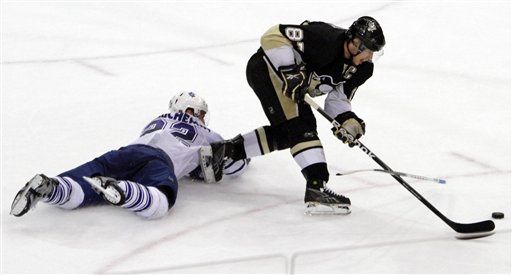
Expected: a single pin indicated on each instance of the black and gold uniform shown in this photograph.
(315, 51)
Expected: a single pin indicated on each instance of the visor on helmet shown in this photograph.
(362, 47)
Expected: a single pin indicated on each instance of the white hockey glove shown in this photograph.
(231, 168)
(236, 167)
(352, 128)
(294, 81)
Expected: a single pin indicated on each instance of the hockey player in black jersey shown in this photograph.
(315, 58)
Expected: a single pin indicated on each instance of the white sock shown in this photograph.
(147, 202)
(68, 194)
(251, 144)
(309, 157)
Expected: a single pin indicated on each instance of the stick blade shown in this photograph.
(469, 236)
(473, 230)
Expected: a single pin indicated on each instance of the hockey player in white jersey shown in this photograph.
(141, 177)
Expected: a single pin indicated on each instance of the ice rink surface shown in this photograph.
(82, 78)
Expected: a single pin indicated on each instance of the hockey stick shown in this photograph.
(466, 230)
(441, 181)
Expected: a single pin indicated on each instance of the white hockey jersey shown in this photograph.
(180, 136)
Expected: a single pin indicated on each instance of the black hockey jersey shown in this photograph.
(320, 46)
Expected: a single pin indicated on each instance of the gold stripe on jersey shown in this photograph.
(304, 146)
(290, 108)
(262, 139)
(273, 38)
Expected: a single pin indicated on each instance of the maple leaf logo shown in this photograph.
(372, 27)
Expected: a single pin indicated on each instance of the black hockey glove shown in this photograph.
(352, 128)
(294, 81)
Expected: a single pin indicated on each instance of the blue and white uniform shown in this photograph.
(180, 136)
(148, 169)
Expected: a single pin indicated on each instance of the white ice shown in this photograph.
(81, 78)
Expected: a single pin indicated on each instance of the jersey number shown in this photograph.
(296, 35)
(154, 126)
(184, 132)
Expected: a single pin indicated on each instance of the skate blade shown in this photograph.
(206, 158)
(110, 196)
(21, 203)
(94, 183)
(316, 209)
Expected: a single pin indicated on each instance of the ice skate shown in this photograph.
(324, 201)
(108, 189)
(39, 187)
(212, 161)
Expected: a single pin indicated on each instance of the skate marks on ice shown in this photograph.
(264, 264)
(324, 260)
(191, 49)
(485, 169)
(94, 67)
(349, 258)
(198, 50)
(490, 170)
(146, 248)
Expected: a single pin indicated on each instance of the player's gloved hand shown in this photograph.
(294, 81)
(352, 128)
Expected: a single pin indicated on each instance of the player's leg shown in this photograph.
(145, 201)
(67, 190)
(308, 153)
(148, 186)
(292, 126)
(278, 108)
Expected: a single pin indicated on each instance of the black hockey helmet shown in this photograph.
(369, 31)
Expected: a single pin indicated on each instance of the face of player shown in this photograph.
(201, 115)
(358, 51)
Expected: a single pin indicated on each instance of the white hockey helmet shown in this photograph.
(189, 100)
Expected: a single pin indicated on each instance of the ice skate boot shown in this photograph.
(39, 187)
(323, 201)
(108, 189)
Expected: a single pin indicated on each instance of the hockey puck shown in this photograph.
(498, 215)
